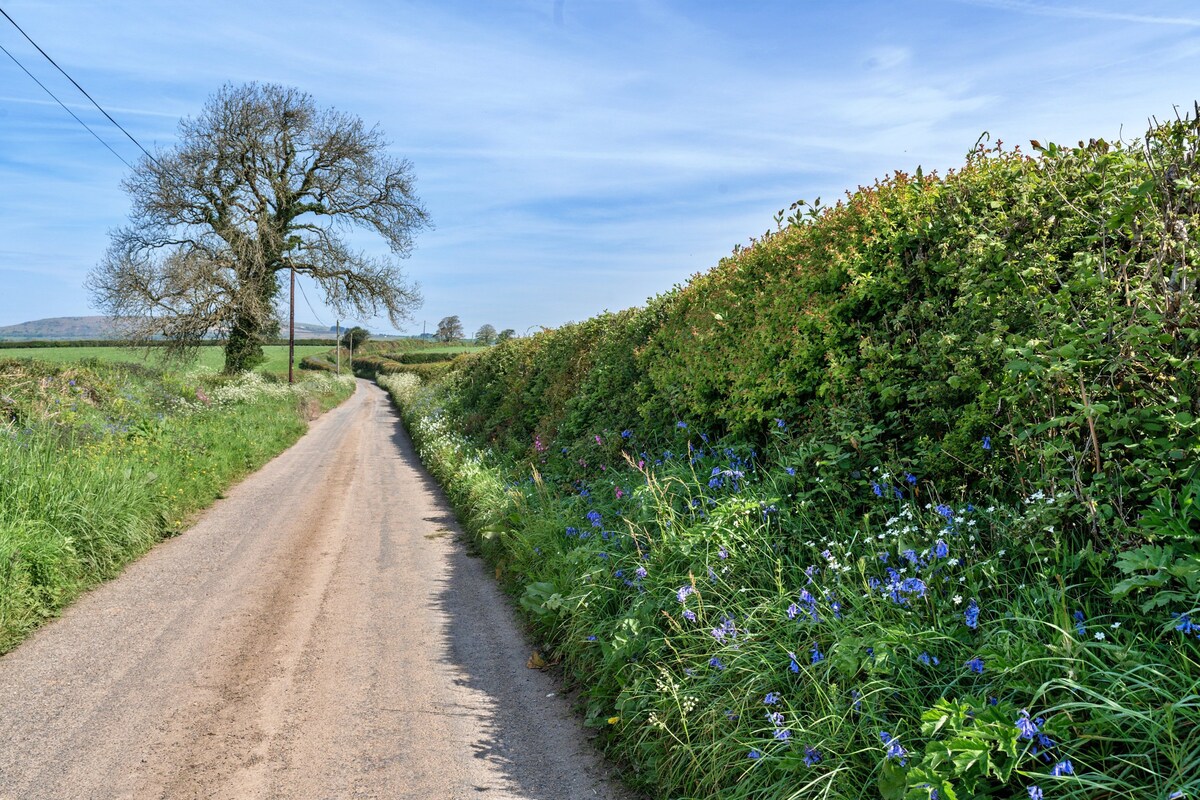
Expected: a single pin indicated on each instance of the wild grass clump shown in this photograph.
(100, 461)
(900, 501)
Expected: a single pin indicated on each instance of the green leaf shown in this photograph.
(893, 780)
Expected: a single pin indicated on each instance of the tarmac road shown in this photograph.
(319, 633)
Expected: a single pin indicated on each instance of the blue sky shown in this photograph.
(578, 155)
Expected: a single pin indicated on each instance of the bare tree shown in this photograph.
(450, 329)
(261, 182)
(486, 334)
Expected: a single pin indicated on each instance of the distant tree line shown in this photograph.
(450, 329)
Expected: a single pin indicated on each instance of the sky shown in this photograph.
(575, 156)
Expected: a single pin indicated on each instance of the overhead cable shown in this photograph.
(69, 111)
(77, 86)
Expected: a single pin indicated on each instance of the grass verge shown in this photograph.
(99, 461)
(737, 635)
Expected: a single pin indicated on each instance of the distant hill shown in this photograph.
(96, 328)
(62, 328)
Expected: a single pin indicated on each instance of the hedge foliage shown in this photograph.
(1022, 321)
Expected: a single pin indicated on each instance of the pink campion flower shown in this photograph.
(620, 493)
(641, 464)
(598, 439)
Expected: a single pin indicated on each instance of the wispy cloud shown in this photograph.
(1084, 12)
(574, 155)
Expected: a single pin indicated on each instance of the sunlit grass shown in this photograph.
(734, 635)
(100, 461)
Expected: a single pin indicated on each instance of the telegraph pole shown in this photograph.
(338, 325)
(292, 327)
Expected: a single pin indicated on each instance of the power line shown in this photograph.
(77, 86)
(60, 102)
(310, 308)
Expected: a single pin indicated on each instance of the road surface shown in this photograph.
(320, 633)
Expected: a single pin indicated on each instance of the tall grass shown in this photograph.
(98, 463)
(736, 635)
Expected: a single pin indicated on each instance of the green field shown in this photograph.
(211, 357)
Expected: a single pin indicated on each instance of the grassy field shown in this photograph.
(209, 357)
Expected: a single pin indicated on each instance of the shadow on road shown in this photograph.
(524, 730)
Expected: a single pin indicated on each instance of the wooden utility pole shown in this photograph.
(338, 325)
(292, 327)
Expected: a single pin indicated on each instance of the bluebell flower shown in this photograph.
(780, 424)
(1080, 628)
(1064, 767)
(1026, 727)
(625, 434)
(684, 591)
(910, 479)
(794, 666)
(987, 443)
(877, 489)
(722, 553)
(591, 638)
(972, 615)
(817, 655)
(1185, 624)
(1035, 792)
(783, 734)
(1044, 743)
(771, 699)
(716, 662)
(894, 749)
(594, 516)
(640, 573)
(945, 511)
(754, 754)
(975, 665)
(775, 718)
(689, 615)
(812, 756)
(792, 611)
(790, 470)
(910, 556)
(941, 549)
(883, 557)
(681, 425)
(928, 660)
(856, 699)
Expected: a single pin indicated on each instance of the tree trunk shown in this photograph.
(243, 348)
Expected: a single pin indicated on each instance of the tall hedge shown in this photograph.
(1022, 321)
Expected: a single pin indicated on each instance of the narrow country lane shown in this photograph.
(320, 633)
